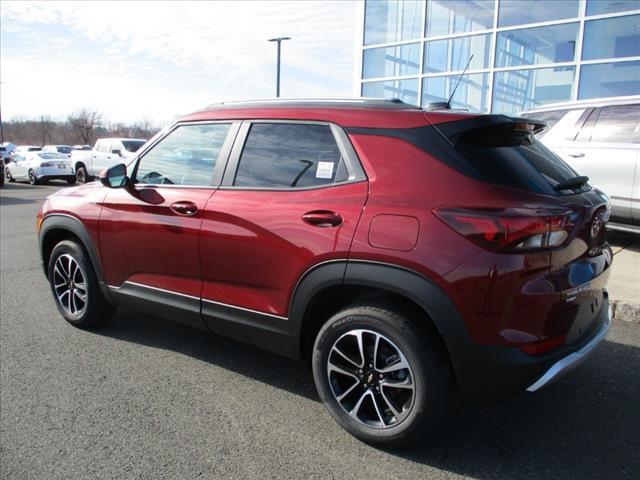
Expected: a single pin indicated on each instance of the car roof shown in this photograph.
(601, 102)
(347, 112)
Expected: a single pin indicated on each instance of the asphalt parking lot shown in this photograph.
(144, 398)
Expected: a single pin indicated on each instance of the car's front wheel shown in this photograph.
(75, 286)
(9, 176)
(381, 378)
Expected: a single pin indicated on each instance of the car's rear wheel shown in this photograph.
(33, 178)
(381, 378)
(75, 286)
(81, 175)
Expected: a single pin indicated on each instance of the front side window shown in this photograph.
(187, 156)
(284, 155)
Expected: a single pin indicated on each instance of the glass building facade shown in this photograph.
(526, 53)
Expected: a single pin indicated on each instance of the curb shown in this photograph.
(626, 311)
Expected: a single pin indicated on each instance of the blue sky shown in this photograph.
(157, 60)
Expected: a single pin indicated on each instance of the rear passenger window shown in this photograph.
(285, 155)
(187, 156)
(618, 124)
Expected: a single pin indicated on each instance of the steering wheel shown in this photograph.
(158, 177)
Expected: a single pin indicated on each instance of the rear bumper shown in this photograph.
(493, 372)
(574, 359)
(68, 176)
(54, 173)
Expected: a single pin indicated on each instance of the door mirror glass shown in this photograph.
(115, 177)
(116, 151)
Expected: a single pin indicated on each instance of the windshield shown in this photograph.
(52, 155)
(64, 149)
(133, 145)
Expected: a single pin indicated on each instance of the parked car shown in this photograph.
(2, 173)
(106, 153)
(37, 167)
(66, 149)
(601, 140)
(478, 266)
(5, 155)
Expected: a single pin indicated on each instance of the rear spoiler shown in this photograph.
(452, 131)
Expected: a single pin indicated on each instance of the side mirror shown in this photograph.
(115, 177)
(116, 151)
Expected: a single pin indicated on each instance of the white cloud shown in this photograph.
(158, 59)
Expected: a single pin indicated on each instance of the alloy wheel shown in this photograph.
(70, 285)
(371, 379)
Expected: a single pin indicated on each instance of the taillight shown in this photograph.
(511, 229)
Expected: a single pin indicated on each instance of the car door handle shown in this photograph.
(576, 155)
(184, 208)
(323, 219)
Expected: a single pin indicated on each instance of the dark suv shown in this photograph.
(407, 255)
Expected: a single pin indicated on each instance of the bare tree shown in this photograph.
(84, 122)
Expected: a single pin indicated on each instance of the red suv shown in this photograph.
(407, 255)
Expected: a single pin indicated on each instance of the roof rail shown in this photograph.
(357, 102)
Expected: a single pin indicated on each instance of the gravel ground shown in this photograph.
(144, 398)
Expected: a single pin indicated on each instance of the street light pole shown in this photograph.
(279, 40)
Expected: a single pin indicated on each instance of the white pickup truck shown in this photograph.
(106, 153)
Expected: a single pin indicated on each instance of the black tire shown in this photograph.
(33, 179)
(96, 309)
(10, 179)
(428, 371)
(81, 174)
(71, 181)
(2, 180)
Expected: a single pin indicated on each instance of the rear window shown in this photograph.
(501, 150)
(505, 155)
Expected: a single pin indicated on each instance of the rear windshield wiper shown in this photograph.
(570, 183)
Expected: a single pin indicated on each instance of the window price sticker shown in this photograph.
(324, 170)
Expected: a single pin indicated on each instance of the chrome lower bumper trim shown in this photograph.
(574, 359)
